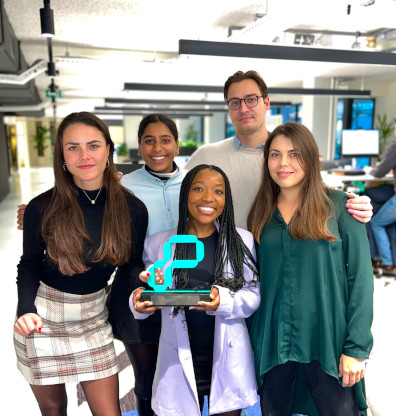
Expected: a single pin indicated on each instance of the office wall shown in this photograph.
(386, 100)
(117, 134)
(318, 115)
(131, 126)
(215, 128)
(4, 168)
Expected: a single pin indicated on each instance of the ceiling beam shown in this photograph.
(320, 91)
(136, 112)
(169, 102)
(293, 53)
(121, 121)
(159, 109)
(211, 88)
(178, 102)
(132, 86)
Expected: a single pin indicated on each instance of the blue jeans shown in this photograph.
(385, 216)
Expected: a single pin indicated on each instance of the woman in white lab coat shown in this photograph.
(205, 353)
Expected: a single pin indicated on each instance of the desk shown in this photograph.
(342, 182)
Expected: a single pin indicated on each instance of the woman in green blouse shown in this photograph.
(311, 334)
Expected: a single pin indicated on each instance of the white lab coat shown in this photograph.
(233, 384)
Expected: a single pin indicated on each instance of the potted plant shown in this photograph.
(122, 153)
(40, 138)
(385, 128)
(188, 145)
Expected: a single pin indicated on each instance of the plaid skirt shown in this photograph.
(75, 343)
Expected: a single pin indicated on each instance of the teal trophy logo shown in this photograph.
(161, 295)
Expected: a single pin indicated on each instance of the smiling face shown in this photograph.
(284, 165)
(85, 153)
(248, 121)
(158, 147)
(206, 199)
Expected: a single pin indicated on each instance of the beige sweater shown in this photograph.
(243, 168)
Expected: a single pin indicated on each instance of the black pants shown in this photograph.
(203, 378)
(278, 391)
(144, 359)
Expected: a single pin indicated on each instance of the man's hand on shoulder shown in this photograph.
(360, 207)
(20, 214)
(118, 176)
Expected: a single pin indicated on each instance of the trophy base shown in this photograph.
(175, 297)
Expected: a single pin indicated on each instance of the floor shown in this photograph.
(28, 183)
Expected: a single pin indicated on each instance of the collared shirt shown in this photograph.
(238, 143)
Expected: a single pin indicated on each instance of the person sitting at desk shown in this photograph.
(387, 214)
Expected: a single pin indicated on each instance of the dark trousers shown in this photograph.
(278, 391)
(203, 378)
(144, 359)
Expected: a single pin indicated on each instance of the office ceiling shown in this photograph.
(99, 45)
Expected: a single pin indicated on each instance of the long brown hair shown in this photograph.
(310, 219)
(63, 227)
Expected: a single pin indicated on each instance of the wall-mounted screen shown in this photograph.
(359, 143)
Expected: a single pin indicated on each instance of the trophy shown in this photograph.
(161, 295)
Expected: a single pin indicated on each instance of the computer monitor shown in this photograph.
(335, 163)
(360, 143)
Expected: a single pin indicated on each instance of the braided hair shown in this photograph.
(230, 246)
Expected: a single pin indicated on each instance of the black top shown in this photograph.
(35, 266)
(200, 324)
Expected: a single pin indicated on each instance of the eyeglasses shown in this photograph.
(250, 102)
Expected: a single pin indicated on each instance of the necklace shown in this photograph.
(92, 200)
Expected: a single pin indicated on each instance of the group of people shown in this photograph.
(290, 322)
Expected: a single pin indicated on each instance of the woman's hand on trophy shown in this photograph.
(209, 306)
(159, 276)
(143, 307)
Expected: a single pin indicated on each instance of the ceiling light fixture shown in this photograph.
(272, 91)
(47, 20)
(146, 112)
(133, 86)
(368, 3)
(206, 108)
(163, 109)
(245, 50)
(356, 44)
(51, 71)
(167, 101)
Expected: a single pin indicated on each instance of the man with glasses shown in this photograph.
(241, 157)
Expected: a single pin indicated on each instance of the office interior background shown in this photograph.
(330, 65)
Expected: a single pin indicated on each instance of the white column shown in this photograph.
(215, 128)
(131, 125)
(318, 114)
